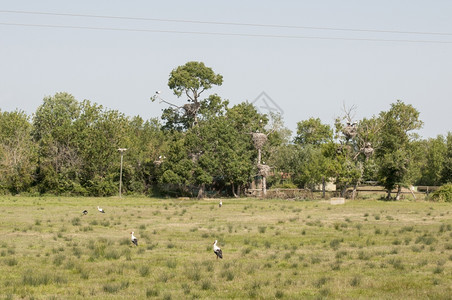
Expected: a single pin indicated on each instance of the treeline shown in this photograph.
(206, 146)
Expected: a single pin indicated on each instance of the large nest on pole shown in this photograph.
(264, 170)
(259, 139)
(368, 150)
(191, 109)
(350, 131)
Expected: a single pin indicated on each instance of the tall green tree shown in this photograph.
(317, 162)
(394, 154)
(18, 153)
(446, 173)
(53, 130)
(221, 149)
(191, 81)
(313, 132)
(430, 160)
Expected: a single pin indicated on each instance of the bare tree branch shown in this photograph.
(169, 103)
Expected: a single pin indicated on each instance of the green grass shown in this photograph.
(273, 249)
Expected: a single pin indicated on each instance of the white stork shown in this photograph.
(220, 204)
(134, 239)
(217, 250)
(100, 210)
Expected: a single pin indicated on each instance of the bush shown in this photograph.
(443, 194)
(285, 185)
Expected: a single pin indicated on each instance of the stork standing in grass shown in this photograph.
(220, 204)
(217, 250)
(134, 239)
(100, 210)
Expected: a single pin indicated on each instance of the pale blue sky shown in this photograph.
(306, 77)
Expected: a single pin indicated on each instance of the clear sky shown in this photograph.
(307, 73)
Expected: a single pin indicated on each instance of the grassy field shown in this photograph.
(273, 249)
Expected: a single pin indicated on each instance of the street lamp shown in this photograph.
(121, 150)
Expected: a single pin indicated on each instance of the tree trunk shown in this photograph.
(399, 191)
(388, 196)
(201, 191)
(239, 187)
(264, 186)
(233, 190)
(354, 191)
(343, 190)
(323, 187)
(412, 192)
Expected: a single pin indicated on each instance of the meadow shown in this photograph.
(273, 249)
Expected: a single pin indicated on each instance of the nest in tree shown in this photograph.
(343, 149)
(264, 170)
(259, 139)
(159, 161)
(368, 150)
(350, 131)
(191, 109)
(195, 156)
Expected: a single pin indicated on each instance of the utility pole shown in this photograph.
(121, 150)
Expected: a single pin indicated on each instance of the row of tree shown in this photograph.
(206, 146)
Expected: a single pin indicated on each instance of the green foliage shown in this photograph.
(285, 185)
(313, 132)
(309, 161)
(192, 79)
(446, 174)
(312, 169)
(443, 194)
(394, 153)
(70, 147)
(434, 155)
(78, 145)
(18, 153)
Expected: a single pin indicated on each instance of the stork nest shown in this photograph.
(264, 170)
(259, 139)
(191, 109)
(195, 156)
(368, 150)
(350, 131)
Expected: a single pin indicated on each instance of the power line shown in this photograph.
(228, 23)
(226, 34)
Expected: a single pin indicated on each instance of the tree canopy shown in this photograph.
(207, 146)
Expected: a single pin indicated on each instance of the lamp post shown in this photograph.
(121, 150)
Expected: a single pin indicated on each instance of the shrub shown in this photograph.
(152, 292)
(144, 271)
(34, 279)
(443, 194)
(75, 221)
(11, 262)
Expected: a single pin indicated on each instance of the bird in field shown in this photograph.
(100, 210)
(85, 212)
(217, 250)
(220, 204)
(134, 239)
